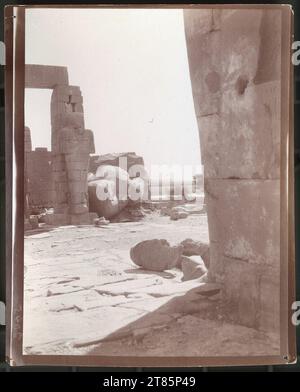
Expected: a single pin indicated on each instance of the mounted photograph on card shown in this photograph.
(150, 185)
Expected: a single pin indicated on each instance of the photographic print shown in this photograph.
(154, 166)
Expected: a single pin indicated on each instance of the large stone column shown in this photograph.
(234, 60)
(71, 146)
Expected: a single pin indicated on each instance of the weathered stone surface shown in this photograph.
(72, 160)
(108, 193)
(187, 209)
(269, 315)
(241, 43)
(85, 218)
(101, 221)
(34, 222)
(79, 209)
(206, 289)
(247, 220)
(155, 255)
(138, 190)
(114, 160)
(236, 89)
(234, 112)
(39, 187)
(176, 214)
(77, 99)
(254, 292)
(192, 267)
(45, 76)
(66, 109)
(111, 205)
(58, 107)
(196, 248)
(207, 89)
(57, 219)
(62, 219)
(130, 214)
(27, 140)
(111, 190)
(165, 211)
(250, 130)
(240, 255)
(271, 36)
(71, 146)
(27, 225)
(198, 21)
(42, 217)
(63, 93)
(72, 120)
(205, 73)
(110, 172)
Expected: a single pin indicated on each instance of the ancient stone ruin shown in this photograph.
(71, 146)
(235, 74)
(39, 190)
(113, 160)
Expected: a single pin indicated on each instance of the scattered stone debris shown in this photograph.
(130, 214)
(27, 225)
(196, 248)
(192, 257)
(204, 278)
(207, 290)
(192, 267)
(165, 211)
(34, 222)
(113, 159)
(42, 217)
(31, 223)
(156, 255)
(195, 209)
(101, 221)
(178, 213)
(181, 211)
(137, 212)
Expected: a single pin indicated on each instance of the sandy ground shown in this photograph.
(83, 295)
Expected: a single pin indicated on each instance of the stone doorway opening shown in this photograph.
(39, 193)
(39, 125)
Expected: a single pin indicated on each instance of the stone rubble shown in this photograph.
(98, 222)
(156, 255)
(181, 211)
(196, 248)
(192, 267)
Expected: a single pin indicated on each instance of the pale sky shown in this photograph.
(132, 68)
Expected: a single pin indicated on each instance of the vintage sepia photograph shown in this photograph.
(152, 182)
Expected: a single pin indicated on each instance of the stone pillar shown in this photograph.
(75, 146)
(234, 60)
(71, 146)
